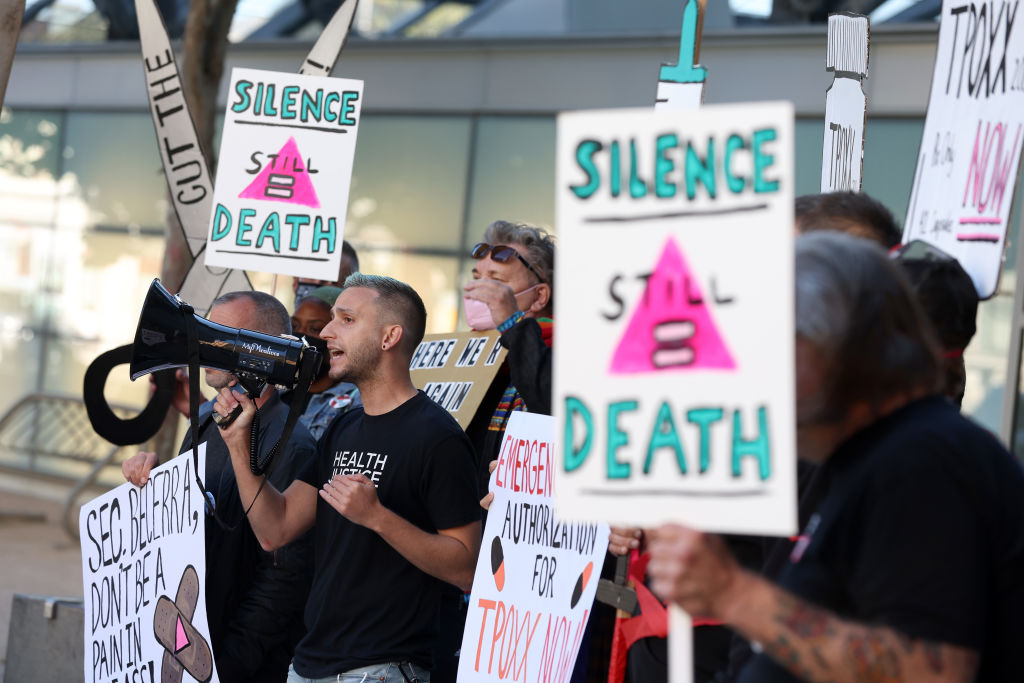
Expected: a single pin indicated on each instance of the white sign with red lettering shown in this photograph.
(536, 575)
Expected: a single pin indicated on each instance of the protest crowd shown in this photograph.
(838, 520)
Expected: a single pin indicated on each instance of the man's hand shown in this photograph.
(236, 434)
(498, 296)
(694, 570)
(355, 497)
(622, 539)
(486, 501)
(136, 468)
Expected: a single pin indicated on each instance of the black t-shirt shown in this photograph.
(368, 604)
(921, 530)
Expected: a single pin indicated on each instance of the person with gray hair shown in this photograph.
(910, 569)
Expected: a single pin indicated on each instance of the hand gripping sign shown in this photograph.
(673, 372)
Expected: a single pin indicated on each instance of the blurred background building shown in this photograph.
(458, 129)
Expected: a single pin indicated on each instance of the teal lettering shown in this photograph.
(320, 235)
(757, 448)
(242, 90)
(348, 107)
(663, 165)
(700, 170)
(736, 184)
(704, 418)
(258, 101)
(288, 94)
(272, 229)
(268, 101)
(221, 223)
(615, 177)
(763, 161)
(296, 221)
(243, 227)
(585, 152)
(328, 114)
(664, 435)
(616, 439)
(637, 187)
(311, 106)
(574, 457)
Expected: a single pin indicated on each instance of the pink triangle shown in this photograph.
(672, 309)
(180, 639)
(284, 179)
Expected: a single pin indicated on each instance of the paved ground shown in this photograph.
(38, 556)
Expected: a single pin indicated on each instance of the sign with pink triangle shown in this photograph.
(284, 174)
(674, 382)
(671, 327)
(284, 179)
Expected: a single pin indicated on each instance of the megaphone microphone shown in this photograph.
(171, 335)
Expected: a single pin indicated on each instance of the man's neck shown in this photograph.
(382, 395)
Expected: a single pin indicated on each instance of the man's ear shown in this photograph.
(542, 299)
(393, 335)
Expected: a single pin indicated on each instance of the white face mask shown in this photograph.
(478, 314)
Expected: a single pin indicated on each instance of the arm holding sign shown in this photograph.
(276, 518)
(697, 572)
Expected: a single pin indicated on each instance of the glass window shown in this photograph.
(409, 182)
(513, 173)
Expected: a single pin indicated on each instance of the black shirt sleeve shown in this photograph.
(448, 487)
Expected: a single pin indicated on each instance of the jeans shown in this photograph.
(391, 672)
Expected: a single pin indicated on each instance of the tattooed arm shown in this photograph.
(698, 573)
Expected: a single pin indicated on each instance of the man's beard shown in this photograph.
(360, 365)
(218, 379)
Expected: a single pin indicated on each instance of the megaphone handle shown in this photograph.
(224, 420)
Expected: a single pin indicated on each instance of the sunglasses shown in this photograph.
(501, 253)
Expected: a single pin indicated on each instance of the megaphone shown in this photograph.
(256, 359)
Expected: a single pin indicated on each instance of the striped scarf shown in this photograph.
(511, 401)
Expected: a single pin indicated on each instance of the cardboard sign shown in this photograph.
(674, 370)
(144, 573)
(284, 172)
(536, 575)
(846, 106)
(457, 369)
(681, 85)
(969, 161)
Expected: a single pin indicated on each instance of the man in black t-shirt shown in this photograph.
(910, 569)
(391, 497)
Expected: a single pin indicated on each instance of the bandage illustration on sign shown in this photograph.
(672, 327)
(185, 649)
(284, 178)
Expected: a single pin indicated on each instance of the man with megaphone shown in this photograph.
(391, 498)
(253, 598)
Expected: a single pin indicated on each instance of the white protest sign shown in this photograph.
(846, 106)
(969, 160)
(681, 85)
(284, 172)
(144, 573)
(673, 371)
(536, 575)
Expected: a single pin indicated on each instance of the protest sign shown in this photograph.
(457, 369)
(846, 106)
(11, 13)
(673, 370)
(969, 160)
(144, 573)
(536, 575)
(284, 171)
(681, 85)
